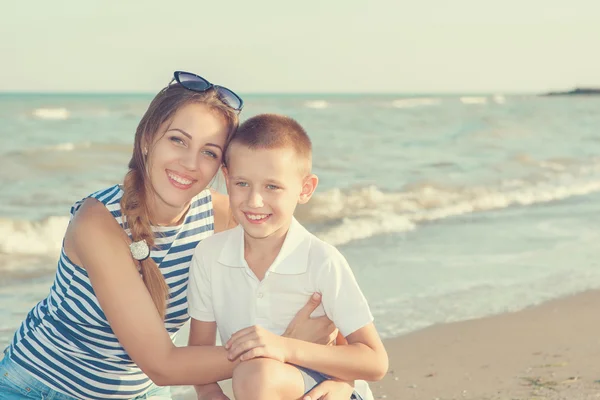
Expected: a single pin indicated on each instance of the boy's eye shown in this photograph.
(242, 184)
(272, 187)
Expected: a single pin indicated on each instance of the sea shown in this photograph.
(447, 206)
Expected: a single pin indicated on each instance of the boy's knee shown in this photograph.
(256, 376)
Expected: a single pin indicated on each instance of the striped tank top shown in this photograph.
(66, 341)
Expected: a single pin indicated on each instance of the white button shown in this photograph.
(260, 295)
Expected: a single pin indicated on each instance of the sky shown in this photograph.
(318, 46)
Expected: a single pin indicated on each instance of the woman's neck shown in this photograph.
(164, 215)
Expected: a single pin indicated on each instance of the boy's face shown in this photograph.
(265, 186)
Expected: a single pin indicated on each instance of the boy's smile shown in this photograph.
(257, 218)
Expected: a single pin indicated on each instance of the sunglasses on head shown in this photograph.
(197, 83)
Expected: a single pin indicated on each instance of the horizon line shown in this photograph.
(291, 93)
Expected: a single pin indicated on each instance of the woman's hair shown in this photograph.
(136, 186)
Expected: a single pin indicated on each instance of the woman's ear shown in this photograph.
(308, 188)
(145, 145)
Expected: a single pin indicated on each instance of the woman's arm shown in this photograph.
(364, 357)
(204, 334)
(95, 241)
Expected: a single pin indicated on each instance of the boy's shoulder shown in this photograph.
(321, 250)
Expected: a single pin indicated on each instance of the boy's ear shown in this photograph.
(308, 188)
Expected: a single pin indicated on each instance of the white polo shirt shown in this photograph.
(223, 288)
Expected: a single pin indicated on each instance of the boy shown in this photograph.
(251, 280)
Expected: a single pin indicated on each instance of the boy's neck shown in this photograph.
(260, 253)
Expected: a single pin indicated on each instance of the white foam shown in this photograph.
(366, 212)
(68, 146)
(415, 102)
(51, 113)
(65, 147)
(473, 100)
(32, 237)
(318, 104)
(499, 99)
(361, 228)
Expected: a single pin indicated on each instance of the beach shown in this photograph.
(549, 351)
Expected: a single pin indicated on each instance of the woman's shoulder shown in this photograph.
(110, 197)
(97, 212)
(92, 222)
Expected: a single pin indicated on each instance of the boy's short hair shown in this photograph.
(274, 131)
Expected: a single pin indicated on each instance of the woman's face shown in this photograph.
(183, 158)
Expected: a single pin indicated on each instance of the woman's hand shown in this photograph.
(331, 390)
(318, 330)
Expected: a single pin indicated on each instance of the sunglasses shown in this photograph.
(197, 83)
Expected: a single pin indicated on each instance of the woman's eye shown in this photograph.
(177, 140)
(210, 154)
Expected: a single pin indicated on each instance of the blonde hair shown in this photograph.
(134, 204)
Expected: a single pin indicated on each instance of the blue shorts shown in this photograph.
(18, 384)
(313, 378)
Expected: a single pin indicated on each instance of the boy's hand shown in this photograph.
(255, 341)
(331, 390)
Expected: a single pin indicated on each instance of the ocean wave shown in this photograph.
(51, 113)
(68, 146)
(318, 104)
(72, 146)
(415, 102)
(473, 100)
(343, 216)
(499, 99)
(41, 237)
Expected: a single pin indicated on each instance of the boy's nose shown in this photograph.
(255, 200)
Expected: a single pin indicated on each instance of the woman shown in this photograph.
(106, 328)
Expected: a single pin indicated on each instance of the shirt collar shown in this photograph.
(292, 258)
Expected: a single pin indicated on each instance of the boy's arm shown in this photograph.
(204, 334)
(364, 357)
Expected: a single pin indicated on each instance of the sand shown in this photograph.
(551, 351)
